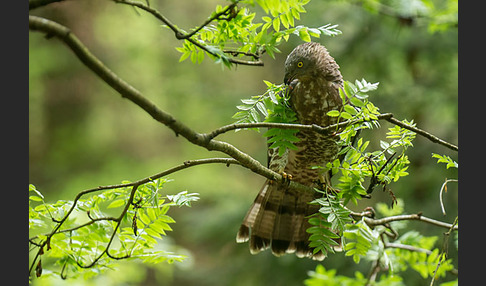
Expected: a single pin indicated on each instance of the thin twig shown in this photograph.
(181, 35)
(312, 127)
(444, 251)
(424, 133)
(119, 221)
(129, 92)
(383, 221)
(444, 188)
(184, 165)
(407, 247)
(216, 16)
(331, 128)
(375, 269)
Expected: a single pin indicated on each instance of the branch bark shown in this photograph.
(424, 133)
(383, 221)
(127, 91)
(134, 185)
(325, 130)
(181, 35)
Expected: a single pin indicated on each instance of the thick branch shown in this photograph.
(129, 92)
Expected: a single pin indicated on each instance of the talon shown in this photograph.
(286, 178)
(371, 211)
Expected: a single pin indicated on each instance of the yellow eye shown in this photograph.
(300, 64)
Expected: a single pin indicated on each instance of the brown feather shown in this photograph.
(278, 218)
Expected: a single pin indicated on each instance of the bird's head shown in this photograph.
(305, 62)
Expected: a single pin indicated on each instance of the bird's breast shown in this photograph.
(311, 100)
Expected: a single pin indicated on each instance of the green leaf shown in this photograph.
(276, 24)
(35, 198)
(357, 102)
(116, 203)
(349, 109)
(445, 159)
(267, 19)
(284, 20)
(184, 198)
(144, 218)
(261, 107)
(244, 107)
(304, 35)
(360, 238)
(333, 113)
(384, 144)
(152, 233)
(329, 30)
(346, 115)
(194, 57)
(166, 219)
(184, 56)
(33, 189)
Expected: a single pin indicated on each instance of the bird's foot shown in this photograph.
(286, 178)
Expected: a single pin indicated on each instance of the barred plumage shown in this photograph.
(277, 218)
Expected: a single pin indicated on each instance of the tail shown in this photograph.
(278, 218)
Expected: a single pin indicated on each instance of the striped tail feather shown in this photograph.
(277, 219)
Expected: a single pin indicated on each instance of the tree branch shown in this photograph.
(383, 221)
(325, 130)
(119, 221)
(407, 247)
(134, 185)
(425, 134)
(127, 91)
(216, 16)
(181, 35)
(444, 188)
(313, 127)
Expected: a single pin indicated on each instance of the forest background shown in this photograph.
(81, 136)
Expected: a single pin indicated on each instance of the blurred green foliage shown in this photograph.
(82, 134)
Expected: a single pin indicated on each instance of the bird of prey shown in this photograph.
(278, 218)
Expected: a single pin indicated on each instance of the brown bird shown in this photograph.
(278, 217)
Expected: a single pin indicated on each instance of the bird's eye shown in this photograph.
(300, 64)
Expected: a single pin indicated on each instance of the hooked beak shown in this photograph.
(287, 79)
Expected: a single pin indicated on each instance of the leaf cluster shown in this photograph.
(384, 246)
(355, 164)
(272, 106)
(328, 224)
(446, 160)
(240, 34)
(410, 250)
(438, 16)
(82, 238)
(327, 277)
